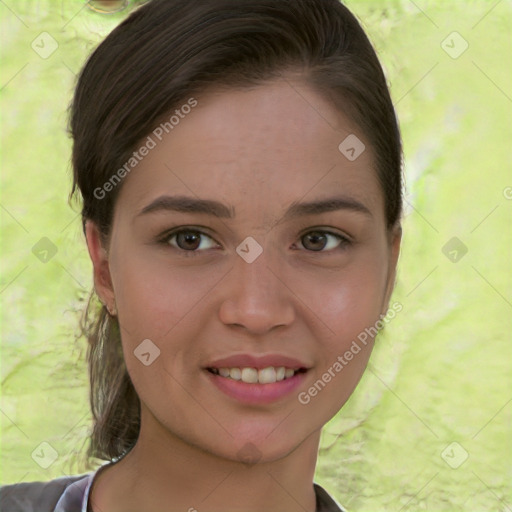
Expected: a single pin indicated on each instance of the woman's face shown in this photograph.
(246, 267)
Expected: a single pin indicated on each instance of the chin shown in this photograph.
(250, 453)
(265, 444)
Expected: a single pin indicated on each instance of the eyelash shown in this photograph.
(164, 239)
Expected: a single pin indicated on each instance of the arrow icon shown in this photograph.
(249, 454)
(44, 455)
(249, 249)
(351, 147)
(454, 249)
(147, 352)
(454, 455)
(454, 45)
(44, 250)
(44, 45)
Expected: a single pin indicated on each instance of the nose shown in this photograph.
(257, 297)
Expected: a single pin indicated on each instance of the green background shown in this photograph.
(441, 372)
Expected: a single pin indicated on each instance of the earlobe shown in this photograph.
(101, 269)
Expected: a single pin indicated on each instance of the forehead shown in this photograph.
(258, 149)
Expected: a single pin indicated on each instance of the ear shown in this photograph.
(101, 269)
(395, 239)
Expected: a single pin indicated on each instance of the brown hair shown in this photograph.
(169, 50)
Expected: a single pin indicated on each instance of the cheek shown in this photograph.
(345, 301)
(155, 296)
(348, 305)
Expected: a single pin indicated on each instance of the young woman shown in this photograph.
(240, 168)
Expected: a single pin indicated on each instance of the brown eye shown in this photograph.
(189, 240)
(318, 240)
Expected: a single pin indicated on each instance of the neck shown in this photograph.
(186, 478)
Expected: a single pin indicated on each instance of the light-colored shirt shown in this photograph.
(71, 494)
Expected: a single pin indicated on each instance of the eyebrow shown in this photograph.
(186, 204)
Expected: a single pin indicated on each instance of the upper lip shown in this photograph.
(258, 362)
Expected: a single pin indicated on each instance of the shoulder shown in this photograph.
(324, 501)
(35, 496)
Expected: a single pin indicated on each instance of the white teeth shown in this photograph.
(267, 375)
(224, 372)
(250, 375)
(235, 373)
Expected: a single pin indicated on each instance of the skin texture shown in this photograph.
(256, 150)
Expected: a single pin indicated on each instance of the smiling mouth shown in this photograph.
(251, 375)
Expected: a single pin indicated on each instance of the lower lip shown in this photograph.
(256, 393)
